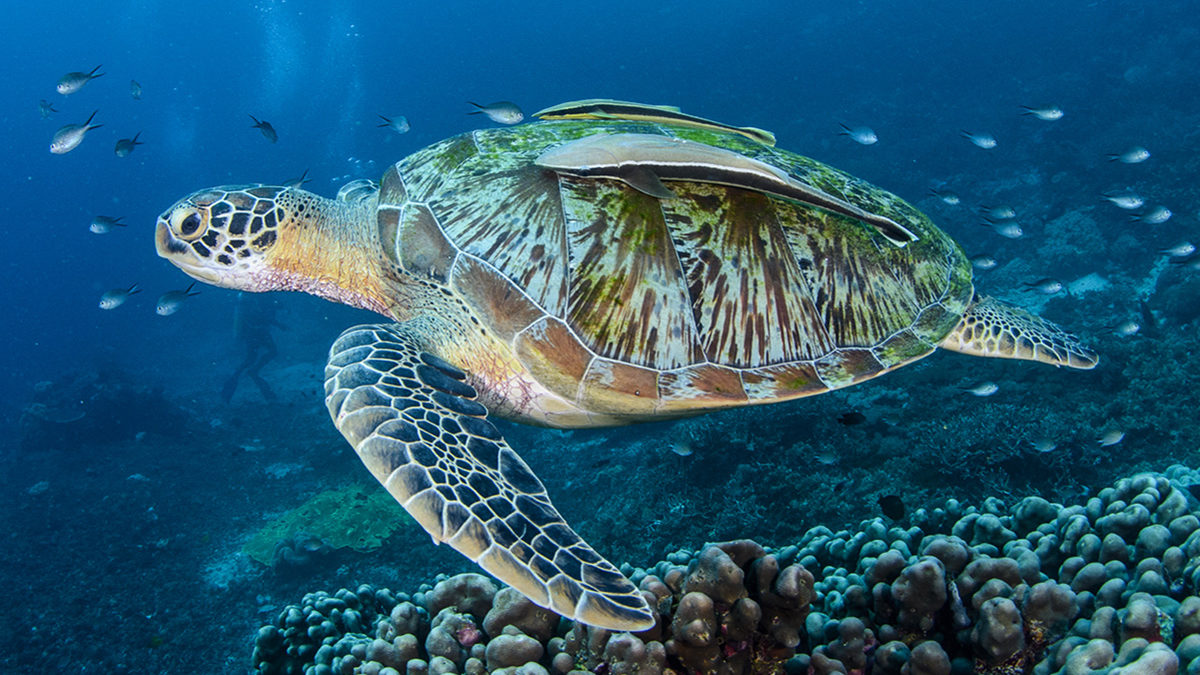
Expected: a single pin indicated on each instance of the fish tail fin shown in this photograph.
(133, 289)
(256, 122)
(188, 291)
(93, 74)
(91, 117)
(845, 130)
(135, 138)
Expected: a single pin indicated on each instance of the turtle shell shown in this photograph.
(625, 303)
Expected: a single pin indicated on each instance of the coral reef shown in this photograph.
(355, 516)
(1106, 586)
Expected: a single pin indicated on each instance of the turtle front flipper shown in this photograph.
(415, 423)
(993, 328)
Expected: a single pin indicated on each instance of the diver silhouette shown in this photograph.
(253, 318)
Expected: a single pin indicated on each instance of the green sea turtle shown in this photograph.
(608, 264)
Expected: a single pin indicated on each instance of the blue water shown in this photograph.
(916, 72)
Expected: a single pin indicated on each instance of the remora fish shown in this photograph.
(644, 161)
(604, 109)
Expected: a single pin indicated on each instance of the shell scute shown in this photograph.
(702, 386)
(554, 356)
(844, 367)
(512, 218)
(616, 387)
(498, 302)
(787, 380)
(423, 248)
(426, 172)
(626, 296)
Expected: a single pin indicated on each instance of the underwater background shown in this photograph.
(142, 511)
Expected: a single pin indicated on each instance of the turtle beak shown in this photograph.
(181, 255)
(168, 246)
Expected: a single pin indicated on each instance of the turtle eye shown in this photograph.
(188, 225)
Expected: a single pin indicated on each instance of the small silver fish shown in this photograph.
(126, 145)
(1134, 155)
(265, 127)
(46, 108)
(1046, 286)
(1180, 250)
(1044, 444)
(983, 389)
(171, 301)
(1111, 437)
(985, 141)
(682, 448)
(298, 182)
(500, 112)
(1049, 113)
(864, 135)
(947, 196)
(1001, 212)
(398, 124)
(1155, 216)
(1127, 328)
(104, 224)
(1128, 200)
(983, 262)
(69, 137)
(73, 82)
(1009, 229)
(135, 90)
(116, 297)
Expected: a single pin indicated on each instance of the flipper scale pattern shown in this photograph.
(415, 423)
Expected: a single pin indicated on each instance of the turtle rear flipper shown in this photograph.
(416, 425)
(993, 328)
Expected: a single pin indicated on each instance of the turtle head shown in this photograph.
(273, 238)
(225, 236)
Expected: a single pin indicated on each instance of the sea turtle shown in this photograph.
(610, 263)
